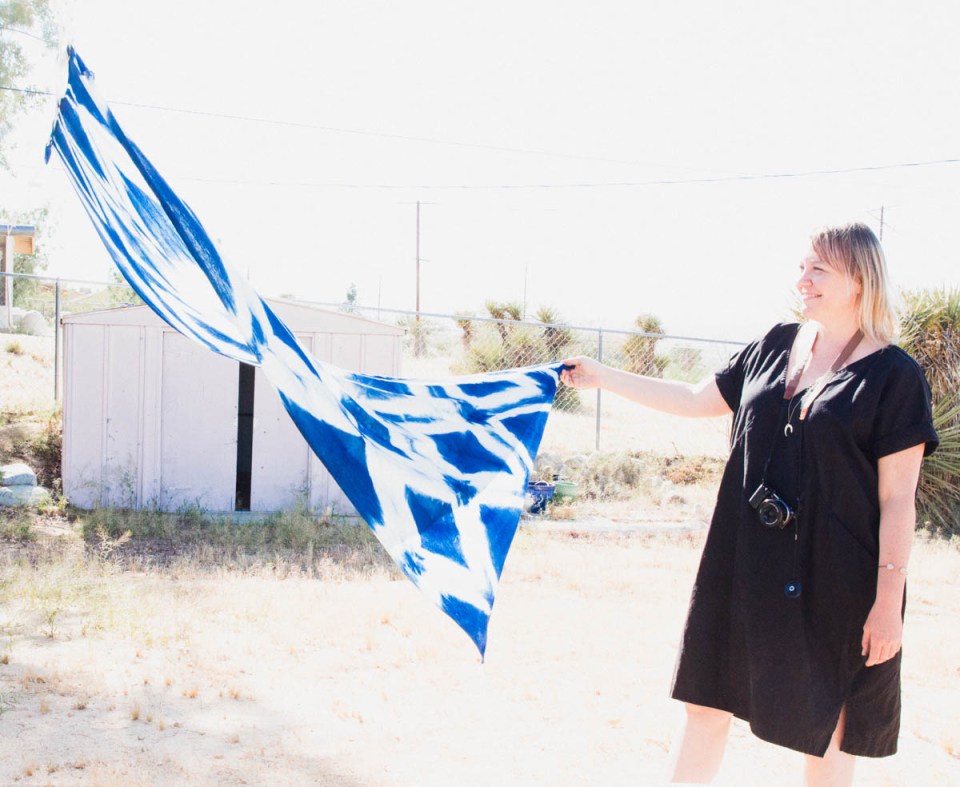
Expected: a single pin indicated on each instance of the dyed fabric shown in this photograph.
(437, 469)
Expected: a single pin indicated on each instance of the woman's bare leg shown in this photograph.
(698, 752)
(835, 768)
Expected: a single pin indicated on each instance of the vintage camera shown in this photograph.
(771, 508)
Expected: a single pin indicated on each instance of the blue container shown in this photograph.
(542, 494)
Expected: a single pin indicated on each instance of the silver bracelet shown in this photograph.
(891, 567)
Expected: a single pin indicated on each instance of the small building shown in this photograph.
(153, 420)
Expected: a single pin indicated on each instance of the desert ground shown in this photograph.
(337, 672)
(202, 668)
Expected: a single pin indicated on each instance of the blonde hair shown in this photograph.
(854, 250)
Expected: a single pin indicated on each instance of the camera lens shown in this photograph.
(771, 514)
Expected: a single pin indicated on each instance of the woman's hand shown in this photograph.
(882, 633)
(583, 372)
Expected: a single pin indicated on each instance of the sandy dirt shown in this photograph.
(206, 677)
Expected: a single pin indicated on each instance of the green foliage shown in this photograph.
(465, 324)
(24, 18)
(16, 524)
(504, 311)
(28, 293)
(417, 335)
(296, 537)
(121, 293)
(685, 364)
(930, 322)
(556, 337)
(611, 476)
(13, 347)
(45, 452)
(37, 445)
(350, 305)
(639, 350)
(614, 476)
(512, 344)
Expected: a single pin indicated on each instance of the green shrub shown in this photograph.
(930, 322)
(510, 344)
(640, 350)
(16, 524)
(45, 452)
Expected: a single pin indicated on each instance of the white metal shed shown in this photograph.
(153, 420)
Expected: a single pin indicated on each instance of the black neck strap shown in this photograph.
(814, 391)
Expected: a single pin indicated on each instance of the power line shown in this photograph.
(26, 90)
(369, 133)
(584, 185)
(729, 178)
(21, 32)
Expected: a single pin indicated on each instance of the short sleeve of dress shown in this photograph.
(905, 413)
(730, 378)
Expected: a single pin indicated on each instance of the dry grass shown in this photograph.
(204, 675)
(26, 369)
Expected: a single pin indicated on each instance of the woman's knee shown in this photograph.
(701, 714)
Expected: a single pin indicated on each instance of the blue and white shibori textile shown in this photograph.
(437, 469)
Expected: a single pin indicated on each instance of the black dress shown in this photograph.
(788, 663)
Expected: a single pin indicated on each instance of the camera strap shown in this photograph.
(790, 389)
(793, 589)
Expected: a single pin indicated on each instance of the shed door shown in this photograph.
(199, 427)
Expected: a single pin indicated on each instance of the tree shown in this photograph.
(555, 336)
(639, 350)
(350, 305)
(26, 291)
(508, 310)
(20, 20)
(121, 293)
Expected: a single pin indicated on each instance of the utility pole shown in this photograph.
(419, 346)
(418, 343)
(523, 315)
(418, 257)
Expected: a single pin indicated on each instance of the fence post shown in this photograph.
(56, 342)
(599, 358)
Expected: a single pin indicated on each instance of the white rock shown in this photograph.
(16, 313)
(34, 324)
(12, 496)
(17, 474)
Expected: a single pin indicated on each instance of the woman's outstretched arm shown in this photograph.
(695, 400)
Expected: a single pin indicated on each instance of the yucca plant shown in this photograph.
(930, 322)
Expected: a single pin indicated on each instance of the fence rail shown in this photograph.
(434, 346)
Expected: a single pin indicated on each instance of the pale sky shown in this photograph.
(537, 134)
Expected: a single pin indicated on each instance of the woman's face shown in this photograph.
(825, 291)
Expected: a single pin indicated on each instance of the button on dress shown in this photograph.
(787, 662)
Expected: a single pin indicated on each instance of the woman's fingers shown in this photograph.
(877, 650)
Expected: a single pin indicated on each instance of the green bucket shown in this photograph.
(564, 491)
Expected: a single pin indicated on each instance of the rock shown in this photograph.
(34, 324)
(13, 496)
(16, 314)
(17, 475)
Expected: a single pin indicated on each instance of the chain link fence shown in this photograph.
(435, 346)
(30, 340)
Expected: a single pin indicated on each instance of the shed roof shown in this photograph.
(299, 317)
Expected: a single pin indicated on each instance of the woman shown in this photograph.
(795, 620)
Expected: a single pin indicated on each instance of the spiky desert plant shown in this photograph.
(640, 349)
(930, 321)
